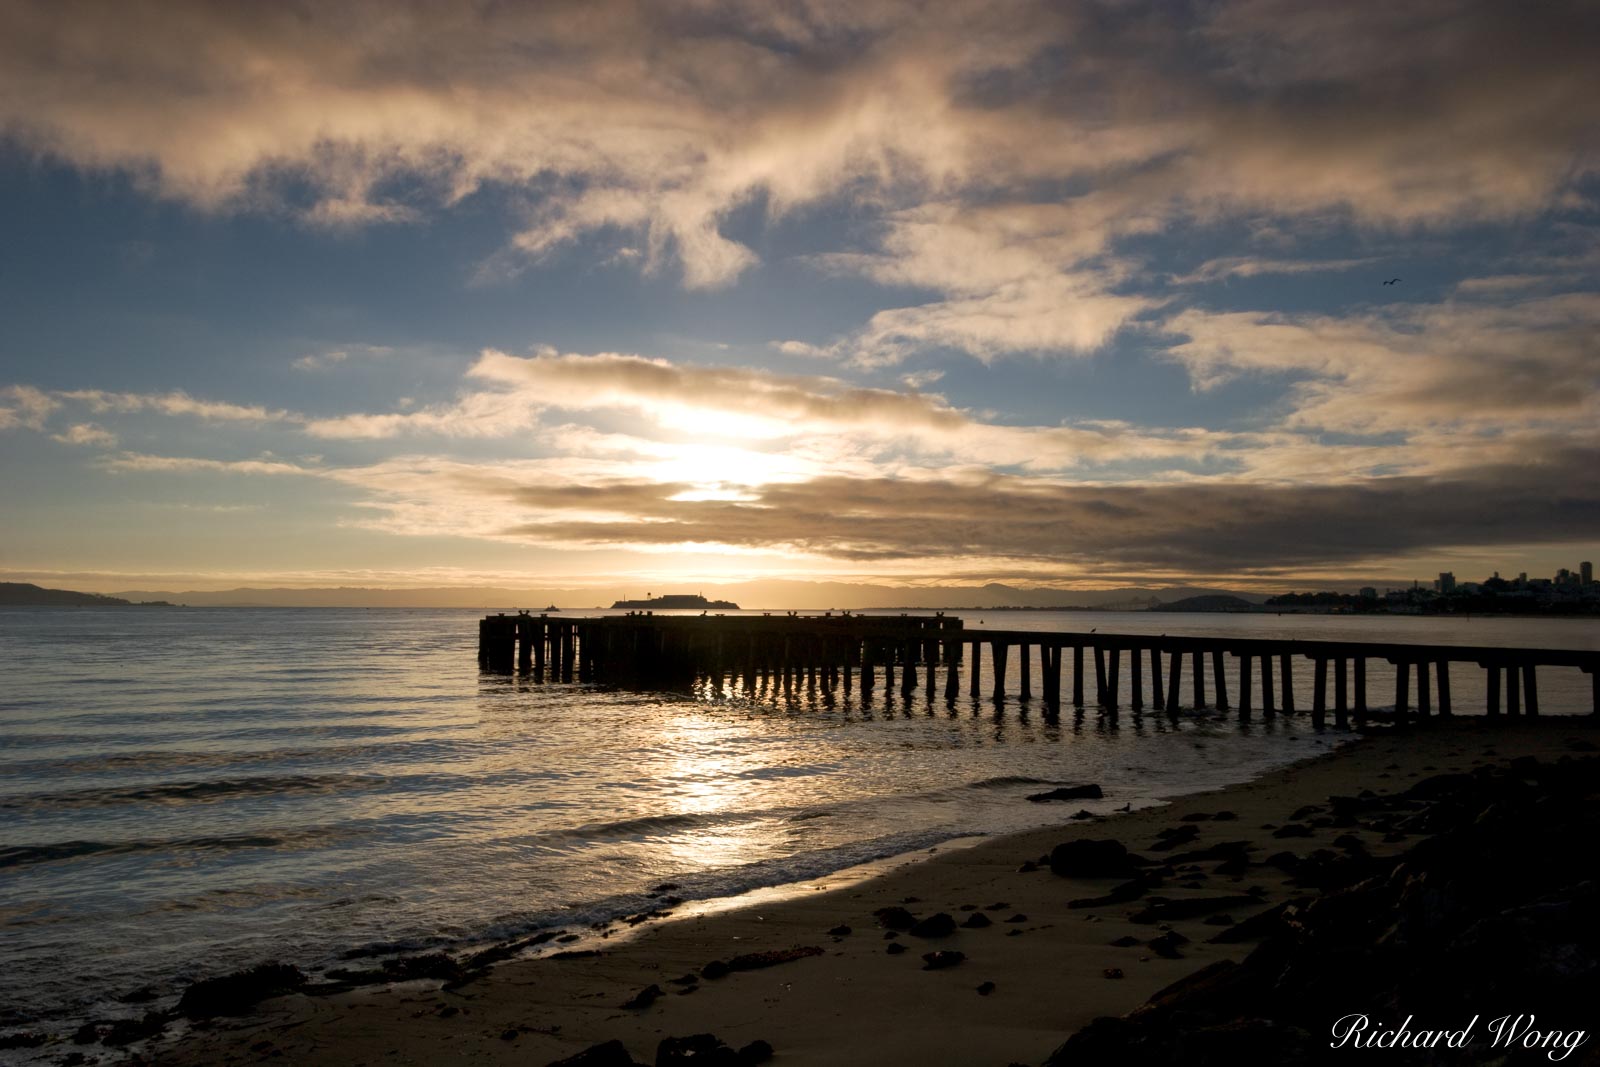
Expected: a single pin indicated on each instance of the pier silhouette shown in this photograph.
(845, 651)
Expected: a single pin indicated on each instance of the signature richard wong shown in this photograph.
(1505, 1032)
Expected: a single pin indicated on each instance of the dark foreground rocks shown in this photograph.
(1497, 913)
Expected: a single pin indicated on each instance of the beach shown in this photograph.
(1032, 968)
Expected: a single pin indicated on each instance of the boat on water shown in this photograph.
(675, 602)
(549, 609)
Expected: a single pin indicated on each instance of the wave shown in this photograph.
(32, 855)
(197, 791)
(1005, 780)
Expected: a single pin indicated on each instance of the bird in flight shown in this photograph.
(1392, 281)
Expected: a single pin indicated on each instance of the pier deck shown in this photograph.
(839, 651)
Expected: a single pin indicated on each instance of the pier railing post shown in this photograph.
(1319, 693)
(1157, 699)
(1219, 679)
(1341, 693)
(1244, 687)
(1077, 676)
(999, 650)
(1136, 669)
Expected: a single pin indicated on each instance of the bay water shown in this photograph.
(186, 792)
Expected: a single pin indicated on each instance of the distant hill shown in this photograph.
(1209, 602)
(24, 594)
(763, 595)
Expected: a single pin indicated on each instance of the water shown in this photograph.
(187, 792)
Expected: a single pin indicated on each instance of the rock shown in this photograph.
(1028, 867)
(757, 1051)
(754, 961)
(644, 998)
(977, 921)
(1071, 792)
(1293, 829)
(509, 1035)
(1174, 836)
(1167, 945)
(1197, 816)
(840, 931)
(895, 918)
(936, 925)
(126, 1031)
(1082, 814)
(1190, 908)
(1094, 859)
(696, 1050)
(938, 961)
(1001, 906)
(237, 993)
(1121, 894)
(1223, 816)
(1125, 941)
(609, 1054)
(895, 949)
(432, 965)
(986, 988)
(714, 970)
(664, 887)
(1018, 918)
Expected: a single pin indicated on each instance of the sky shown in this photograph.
(1257, 294)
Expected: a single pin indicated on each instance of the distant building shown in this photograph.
(1446, 582)
(1368, 593)
(1586, 572)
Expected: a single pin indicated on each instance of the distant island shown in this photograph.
(675, 602)
(1210, 602)
(27, 595)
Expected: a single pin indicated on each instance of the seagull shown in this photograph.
(1392, 281)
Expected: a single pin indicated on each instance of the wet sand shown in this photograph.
(1034, 974)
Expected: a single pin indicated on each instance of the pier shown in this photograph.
(936, 653)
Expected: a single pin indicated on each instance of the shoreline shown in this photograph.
(850, 998)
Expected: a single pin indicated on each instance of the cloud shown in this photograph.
(1216, 270)
(651, 125)
(332, 357)
(1212, 528)
(176, 403)
(26, 407)
(1470, 366)
(84, 433)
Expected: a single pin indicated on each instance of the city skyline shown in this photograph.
(591, 296)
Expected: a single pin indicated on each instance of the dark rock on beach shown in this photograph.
(1069, 792)
(938, 961)
(936, 925)
(237, 993)
(1498, 907)
(609, 1054)
(1094, 859)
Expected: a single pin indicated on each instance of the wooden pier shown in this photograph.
(930, 652)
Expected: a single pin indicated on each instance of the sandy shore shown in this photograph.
(1025, 983)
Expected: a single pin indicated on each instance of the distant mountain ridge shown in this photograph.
(760, 595)
(28, 595)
